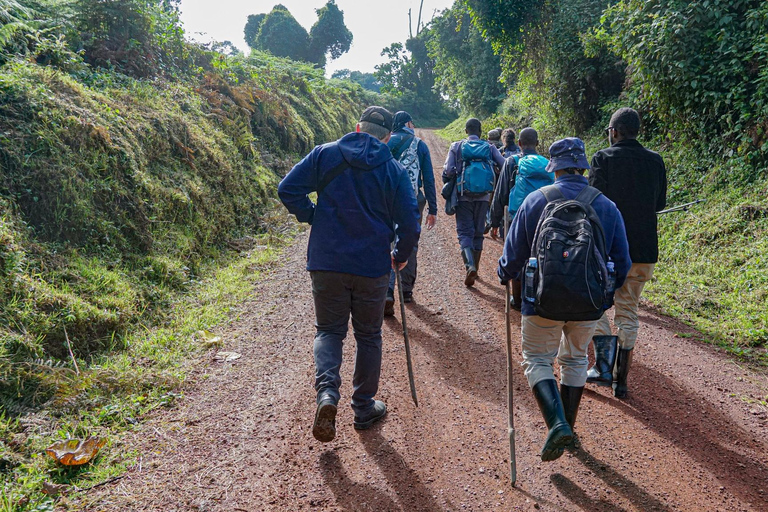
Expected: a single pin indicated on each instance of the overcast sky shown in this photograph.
(374, 24)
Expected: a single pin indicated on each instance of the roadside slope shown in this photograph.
(690, 437)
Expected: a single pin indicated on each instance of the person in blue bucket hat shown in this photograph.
(544, 339)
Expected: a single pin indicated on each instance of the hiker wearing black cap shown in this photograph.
(365, 201)
(544, 338)
(635, 179)
(470, 163)
(414, 155)
(521, 175)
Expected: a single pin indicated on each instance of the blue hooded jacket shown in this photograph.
(517, 248)
(353, 222)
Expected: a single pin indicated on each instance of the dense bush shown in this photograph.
(701, 68)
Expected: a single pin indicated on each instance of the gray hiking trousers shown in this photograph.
(336, 296)
(408, 274)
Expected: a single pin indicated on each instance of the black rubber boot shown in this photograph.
(477, 254)
(571, 397)
(517, 294)
(605, 358)
(623, 362)
(469, 264)
(551, 406)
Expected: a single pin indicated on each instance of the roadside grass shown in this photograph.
(713, 259)
(116, 390)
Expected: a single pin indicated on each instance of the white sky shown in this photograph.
(374, 24)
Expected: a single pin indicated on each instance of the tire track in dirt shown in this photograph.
(692, 435)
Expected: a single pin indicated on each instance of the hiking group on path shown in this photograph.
(575, 247)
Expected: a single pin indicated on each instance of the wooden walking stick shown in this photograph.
(405, 336)
(510, 390)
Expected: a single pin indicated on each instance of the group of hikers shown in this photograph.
(573, 248)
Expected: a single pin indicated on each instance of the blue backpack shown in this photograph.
(477, 176)
(531, 176)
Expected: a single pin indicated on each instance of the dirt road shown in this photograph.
(692, 435)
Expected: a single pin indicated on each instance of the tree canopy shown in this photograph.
(279, 33)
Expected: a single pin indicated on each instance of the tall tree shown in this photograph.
(467, 69)
(280, 34)
(251, 30)
(329, 34)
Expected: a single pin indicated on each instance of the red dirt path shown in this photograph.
(691, 436)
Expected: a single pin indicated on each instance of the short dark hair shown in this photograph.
(473, 126)
(529, 137)
(626, 121)
(572, 170)
(508, 136)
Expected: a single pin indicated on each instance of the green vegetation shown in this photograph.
(696, 71)
(279, 33)
(137, 185)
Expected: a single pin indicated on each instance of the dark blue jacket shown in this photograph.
(399, 143)
(517, 248)
(353, 222)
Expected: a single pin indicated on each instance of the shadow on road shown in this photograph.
(411, 492)
(697, 428)
(350, 495)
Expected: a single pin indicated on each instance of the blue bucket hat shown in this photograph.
(567, 153)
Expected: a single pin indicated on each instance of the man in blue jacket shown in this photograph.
(472, 208)
(544, 339)
(414, 155)
(364, 202)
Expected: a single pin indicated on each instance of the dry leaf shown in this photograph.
(226, 357)
(73, 452)
(209, 339)
(50, 489)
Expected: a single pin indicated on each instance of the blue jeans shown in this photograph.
(336, 295)
(470, 223)
(408, 274)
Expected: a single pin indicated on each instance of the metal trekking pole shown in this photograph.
(405, 336)
(510, 390)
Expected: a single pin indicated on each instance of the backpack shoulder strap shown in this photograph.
(332, 175)
(588, 195)
(398, 151)
(552, 193)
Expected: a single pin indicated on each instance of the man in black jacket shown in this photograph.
(636, 180)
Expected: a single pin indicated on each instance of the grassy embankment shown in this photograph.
(713, 267)
(133, 214)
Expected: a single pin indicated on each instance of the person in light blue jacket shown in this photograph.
(365, 202)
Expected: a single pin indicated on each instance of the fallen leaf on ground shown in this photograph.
(50, 489)
(209, 339)
(226, 357)
(74, 452)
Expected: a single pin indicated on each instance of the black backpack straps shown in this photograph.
(552, 193)
(332, 175)
(588, 195)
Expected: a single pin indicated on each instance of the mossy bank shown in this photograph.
(119, 199)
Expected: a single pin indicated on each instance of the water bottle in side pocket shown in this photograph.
(530, 273)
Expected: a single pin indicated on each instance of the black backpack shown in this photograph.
(570, 280)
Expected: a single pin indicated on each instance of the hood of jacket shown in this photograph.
(363, 151)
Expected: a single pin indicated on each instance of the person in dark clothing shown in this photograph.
(472, 208)
(635, 179)
(365, 201)
(414, 155)
(509, 147)
(544, 339)
(534, 165)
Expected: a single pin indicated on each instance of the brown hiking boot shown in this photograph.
(324, 428)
